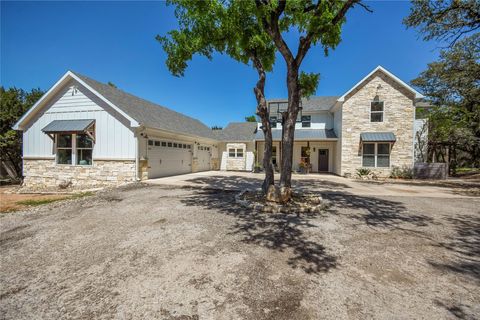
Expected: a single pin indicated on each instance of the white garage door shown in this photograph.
(168, 158)
(203, 156)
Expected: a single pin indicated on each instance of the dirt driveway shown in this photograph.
(148, 252)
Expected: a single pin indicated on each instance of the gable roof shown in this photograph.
(388, 73)
(237, 131)
(138, 110)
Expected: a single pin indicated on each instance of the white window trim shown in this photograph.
(375, 155)
(73, 150)
(236, 153)
(382, 112)
(309, 121)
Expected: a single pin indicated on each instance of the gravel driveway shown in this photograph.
(147, 252)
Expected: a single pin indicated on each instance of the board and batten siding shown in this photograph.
(114, 140)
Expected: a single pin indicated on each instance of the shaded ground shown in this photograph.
(14, 201)
(167, 253)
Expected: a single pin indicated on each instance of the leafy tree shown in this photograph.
(448, 20)
(251, 119)
(13, 104)
(217, 128)
(111, 84)
(251, 32)
(452, 83)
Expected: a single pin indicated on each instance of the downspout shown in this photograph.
(136, 158)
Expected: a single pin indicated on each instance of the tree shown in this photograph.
(13, 104)
(214, 25)
(217, 128)
(452, 83)
(251, 119)
(447, 20)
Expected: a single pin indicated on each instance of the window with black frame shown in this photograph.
(376, 111)
(306, 121)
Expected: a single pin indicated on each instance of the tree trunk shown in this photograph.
(262, 112)
(288, 133)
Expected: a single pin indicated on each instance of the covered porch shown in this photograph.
(312, 149)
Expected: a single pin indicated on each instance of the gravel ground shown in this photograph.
(146, 252)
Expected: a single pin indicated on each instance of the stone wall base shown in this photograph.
(46, 174)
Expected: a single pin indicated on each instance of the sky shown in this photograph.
(115, 41)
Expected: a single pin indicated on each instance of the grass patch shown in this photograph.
(39, 202)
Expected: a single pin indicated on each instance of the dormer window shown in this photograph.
(273, 122)
(306, 121)
(376, 110)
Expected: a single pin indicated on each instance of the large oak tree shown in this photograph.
(252, 31)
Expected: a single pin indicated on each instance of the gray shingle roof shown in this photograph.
(300, 134)
(320, 103)
(79, 125)
(149, 114)
(377, 136)
(237, 132)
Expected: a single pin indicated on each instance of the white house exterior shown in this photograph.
(85, 133)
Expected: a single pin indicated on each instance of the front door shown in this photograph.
(323, 160)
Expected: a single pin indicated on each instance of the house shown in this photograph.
(85, 133)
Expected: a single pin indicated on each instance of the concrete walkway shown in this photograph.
(325, 183)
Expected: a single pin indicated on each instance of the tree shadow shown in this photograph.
(459, 311)
(278, 232)
(465, 244)
(376, 212)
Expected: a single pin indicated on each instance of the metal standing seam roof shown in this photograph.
(300, 134)
(237, 131)
(377, 137)
(77, 125)
(149, 114)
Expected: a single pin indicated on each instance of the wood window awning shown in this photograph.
(86, 126)
(377, 137)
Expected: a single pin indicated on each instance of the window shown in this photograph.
(368, 155)
(84, 148)
(235, 153)
(376, 111)
(376, 155)
(273, 122)
(169, 144)
(74, 149)
(174, 144)
(157, 143)
(164, 144)
(306, 121)
(150, 142)
(274, 155)
(184, 146)
(64, 149)
(189, 146)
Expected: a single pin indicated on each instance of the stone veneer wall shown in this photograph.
(45, 174)
(237, 163)
(398, 118)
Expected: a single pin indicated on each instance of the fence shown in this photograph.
(424, 170)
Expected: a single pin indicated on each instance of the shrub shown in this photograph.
(363, 172)
(404, 172)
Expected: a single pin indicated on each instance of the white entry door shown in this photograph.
(168, 158)
(203, 157)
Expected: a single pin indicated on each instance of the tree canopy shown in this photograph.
(13, 104)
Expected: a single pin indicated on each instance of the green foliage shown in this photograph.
(111, 84)
(217, 128)
(308, 83)
(444, 19)
(251, 119)
(363, 172)
(404, 172)
(39, 202)
(13, 104)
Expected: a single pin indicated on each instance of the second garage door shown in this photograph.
(203, 157)
(168, 158)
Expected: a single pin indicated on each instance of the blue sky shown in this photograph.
(115, 41)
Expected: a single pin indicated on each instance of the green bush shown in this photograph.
(404, 172)
(363, 172)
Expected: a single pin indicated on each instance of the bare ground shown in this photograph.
(170, 253)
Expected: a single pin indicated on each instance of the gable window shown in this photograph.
(306, 121)
(376, 155)
(74, 149)
(235, 153)
(273, 122)
(376, 111)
